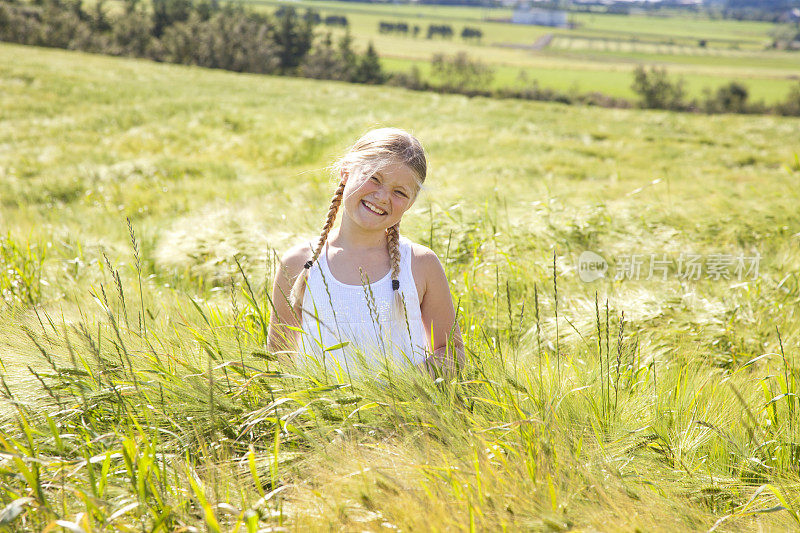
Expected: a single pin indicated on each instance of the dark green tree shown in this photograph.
(347, 55)
(369, 68)
(322, 63)
(293, 38)
(168, 12)
(100, 22)
(656, 90)
(732, 98)
(205, 9)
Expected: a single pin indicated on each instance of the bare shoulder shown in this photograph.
(294, 258)
(427, 270)
(425, 259)
(436, 302)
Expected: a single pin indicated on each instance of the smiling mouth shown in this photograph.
(373, 208)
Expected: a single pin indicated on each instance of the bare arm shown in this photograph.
(439, 318)
(280, 337)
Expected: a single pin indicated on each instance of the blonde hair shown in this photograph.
(375, 150)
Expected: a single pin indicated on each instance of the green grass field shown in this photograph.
(684, 26)
(137, 394)
(600, 53)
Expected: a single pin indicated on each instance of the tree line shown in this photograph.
(203, 33)
(316, 18)
(442, 30)
(656, 90)
(653, 87)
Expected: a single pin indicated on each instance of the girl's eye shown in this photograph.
(402, 194)
(374, 179)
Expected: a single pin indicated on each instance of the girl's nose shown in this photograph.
(382, 194)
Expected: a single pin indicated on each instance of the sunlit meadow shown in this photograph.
(141, 208)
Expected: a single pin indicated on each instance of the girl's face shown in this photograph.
(379, 201)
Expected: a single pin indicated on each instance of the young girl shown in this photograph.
(362, 289)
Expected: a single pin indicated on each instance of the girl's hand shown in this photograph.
(440, 364)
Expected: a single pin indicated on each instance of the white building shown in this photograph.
(540, 17)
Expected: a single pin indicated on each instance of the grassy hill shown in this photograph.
(137, 393)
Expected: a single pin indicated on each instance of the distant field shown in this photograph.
(598, 54)
(685, 26)
(680, 26)
(611, 79)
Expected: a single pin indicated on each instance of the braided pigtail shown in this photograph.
(299, 286)
(393, 243)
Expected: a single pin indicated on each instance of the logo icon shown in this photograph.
(591, 267)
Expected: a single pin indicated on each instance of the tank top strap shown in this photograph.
(323, 256)
(405, 259)
(323, 268)
(407, 284)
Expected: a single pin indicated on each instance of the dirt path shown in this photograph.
(540, 44)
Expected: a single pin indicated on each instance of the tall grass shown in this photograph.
(20, 271)
(174, 426)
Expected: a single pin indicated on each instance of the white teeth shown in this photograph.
(373, 208)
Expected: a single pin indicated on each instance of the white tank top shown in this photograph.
(335, 313)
